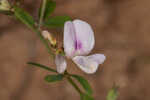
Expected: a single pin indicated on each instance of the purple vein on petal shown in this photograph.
(77, 42)
(78, 45)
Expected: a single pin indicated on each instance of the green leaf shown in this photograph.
(84, 83)
(57, 21)
(54, 78)
(42, 66)
(24, 17)
(49, 8)
(112, 94)
(86, 97)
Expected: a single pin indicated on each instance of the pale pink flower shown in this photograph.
(78, 43)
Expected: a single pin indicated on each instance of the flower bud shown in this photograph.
(4, 5)
(61, 63)
(48, 36)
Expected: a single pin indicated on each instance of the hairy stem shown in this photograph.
(39, 26)
(42, 13)
(74, 85)
(45, 43)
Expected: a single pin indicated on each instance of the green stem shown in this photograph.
(42, 66)
(42, 13)
(74, 85)
(39, 25)
(44, 42)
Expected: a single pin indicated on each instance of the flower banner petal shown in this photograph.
(84, 37)
(69, 39)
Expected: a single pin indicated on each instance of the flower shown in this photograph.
(4, 5)
(78, 43)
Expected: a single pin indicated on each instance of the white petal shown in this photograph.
(84, 35)
(61, 64)
(89, 64)
(69, 39)
(99, 58)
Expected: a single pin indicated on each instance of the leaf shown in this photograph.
(84, 83)
(42, 66)
(57, 21)
(49, 8)
(112, 94)
(86, 97)
(54, 78)
(24, 17)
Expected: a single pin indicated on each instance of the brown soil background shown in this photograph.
(122, 32)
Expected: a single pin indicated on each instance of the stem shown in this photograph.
(74, 85)
(42, 66)
(39, 25)
(45, 43)
(42, 13)
(43, 40)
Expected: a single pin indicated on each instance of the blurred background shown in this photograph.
(122, 32)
